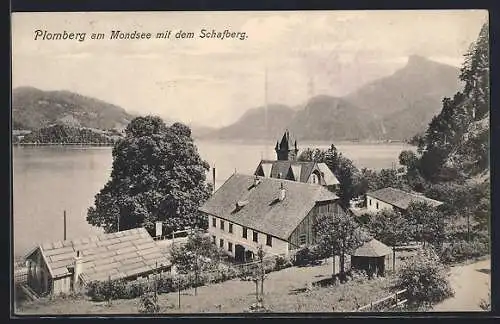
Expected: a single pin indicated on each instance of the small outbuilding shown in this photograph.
(372, 257)
(59, 267)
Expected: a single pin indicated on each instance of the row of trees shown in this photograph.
(67, 134)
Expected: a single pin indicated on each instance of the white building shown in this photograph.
(250, 211)
(396, 199)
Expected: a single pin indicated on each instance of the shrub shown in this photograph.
(463, 250)
(282, 263)
(104, 290)
(303, 257)
(148, 304)
(425, 279)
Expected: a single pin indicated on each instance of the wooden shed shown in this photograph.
(59, 267)
(372, 257)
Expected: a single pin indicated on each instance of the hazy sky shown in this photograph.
(213, 81)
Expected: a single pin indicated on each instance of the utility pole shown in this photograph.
(65, 225)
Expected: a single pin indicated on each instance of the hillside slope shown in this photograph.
(332, 118)
(33, 108)
(252, 125)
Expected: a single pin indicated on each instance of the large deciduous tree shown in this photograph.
(157, 175)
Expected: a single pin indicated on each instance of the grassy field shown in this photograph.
(285, 291)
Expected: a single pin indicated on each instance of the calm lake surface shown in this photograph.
(48, 180)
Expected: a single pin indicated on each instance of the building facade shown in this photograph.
(395, 199)
(250, 211)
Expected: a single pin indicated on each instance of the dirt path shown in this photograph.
(471, 283)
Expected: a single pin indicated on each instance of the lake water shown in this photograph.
(48, 180)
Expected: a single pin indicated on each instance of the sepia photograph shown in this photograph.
(272, 162)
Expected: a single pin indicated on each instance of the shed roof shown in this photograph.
(119, 255)
(372, 248)
(263, 211)
(400, 198)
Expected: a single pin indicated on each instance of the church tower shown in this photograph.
(286, 150)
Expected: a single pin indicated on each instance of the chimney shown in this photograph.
(78, 268)
(256, 181)
(282, 193)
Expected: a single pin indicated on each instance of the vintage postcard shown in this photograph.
(250, 162)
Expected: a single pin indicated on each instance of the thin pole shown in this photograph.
(65, 225)
(213, 176)
(394, 258)
(179, 291)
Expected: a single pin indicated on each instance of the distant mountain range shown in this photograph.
(394, 107)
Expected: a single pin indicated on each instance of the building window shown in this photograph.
(230, 246)
(269, 240)
(370, 201)
(221, 243)
(214, 222)
(244, 232)
(302, 239)
(222, 225)
(230, 228)
(376, 206)
(256, 237)
(213, 239)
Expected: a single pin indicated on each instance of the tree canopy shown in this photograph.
(456, 143)
(339, 234)
(157, 175)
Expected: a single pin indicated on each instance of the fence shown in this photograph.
(389, 302)
(21, 275)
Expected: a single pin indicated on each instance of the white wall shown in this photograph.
(278, 246)
(373, 207)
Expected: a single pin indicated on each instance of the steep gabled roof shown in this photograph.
(299, 170)
(119, 255)
(400, 198)
(263, 211)
(329, 177)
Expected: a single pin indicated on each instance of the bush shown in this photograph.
(425, 279)
(306, 256)
(463, 250)
(148, 304)
(282, 263)
(104, 290)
